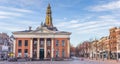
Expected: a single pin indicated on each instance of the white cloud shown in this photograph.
(10, 28)
(23, 3)
(26, 22)
(106, 17)
(106, 7)
(75, 24)
(4, 13)
(15, 9)
(74, 21)
(7, 15)
(98, 24)
(16, 26)
(9, 12)
(61, 24)
(3, 17)
(91, 26)
(93, 30)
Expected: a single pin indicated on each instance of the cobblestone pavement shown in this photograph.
(86, 61)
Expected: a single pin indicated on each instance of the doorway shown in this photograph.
(41, 54)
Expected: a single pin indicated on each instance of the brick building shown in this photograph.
(45, 42)
(118, 42)
(113, 42)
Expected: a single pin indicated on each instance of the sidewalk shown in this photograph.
(104, 61)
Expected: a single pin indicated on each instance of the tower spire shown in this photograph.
(48, 20)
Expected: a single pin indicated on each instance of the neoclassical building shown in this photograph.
(46, 41)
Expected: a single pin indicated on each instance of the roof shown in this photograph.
(42, 30)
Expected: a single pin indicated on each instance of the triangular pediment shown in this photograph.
(42, 30)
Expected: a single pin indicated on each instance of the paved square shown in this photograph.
(63, 62)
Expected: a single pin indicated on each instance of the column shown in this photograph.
(52, 49)
(38, 41)
(68, 48)
(14, 47)
(45, 50)
(31, 48)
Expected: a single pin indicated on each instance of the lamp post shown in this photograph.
(52, 57)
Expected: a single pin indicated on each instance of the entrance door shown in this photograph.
(41, 54)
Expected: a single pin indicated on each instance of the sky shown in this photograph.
(85, 19)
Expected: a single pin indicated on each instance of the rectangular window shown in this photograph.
(57, 42)
(63, 42)
(48, 43)
(26, 51)
(57, 53)
(19, 50)
(63, 53)
(19, 42)
(118, 55)
(41, 43)
(35, 43)
(26, 42)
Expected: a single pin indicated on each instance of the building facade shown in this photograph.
(113, 42)
(118, 42)
(107, 47)
(5, 46)
(45, 42)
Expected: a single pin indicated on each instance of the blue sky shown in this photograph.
(86, 19)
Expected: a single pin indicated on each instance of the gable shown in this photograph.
(42, 30)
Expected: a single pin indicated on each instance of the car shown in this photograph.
(75, 58)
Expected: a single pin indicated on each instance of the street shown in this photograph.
(77, 61)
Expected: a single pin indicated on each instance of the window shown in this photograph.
(63, 53)
(48, 53)
(63, 42)
(48, 43)
(19, 50)
(26, 51)
(118, 55)
(57, 42)
(42, 43)
(19, 42)
(35, 43)
(26, 42)
(57, 53)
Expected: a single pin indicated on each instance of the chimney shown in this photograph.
(30, 28)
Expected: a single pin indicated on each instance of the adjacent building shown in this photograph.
(118, 43)
(113, 42)
(72, 51)
(105, 48)
(45, 42)
(5, 46)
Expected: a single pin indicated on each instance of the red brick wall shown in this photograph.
(22, 47)
(60, 47)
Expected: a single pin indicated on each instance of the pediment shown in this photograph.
(42, 30)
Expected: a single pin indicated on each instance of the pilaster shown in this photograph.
(68, 48)
(38, 48)
(45, 49)
(52, 49)
(31, 48)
